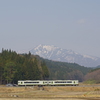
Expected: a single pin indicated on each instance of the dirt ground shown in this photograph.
(91, 92)
(42, 99)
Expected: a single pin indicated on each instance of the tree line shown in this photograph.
(14, 67)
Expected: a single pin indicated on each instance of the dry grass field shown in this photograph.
(90, 92)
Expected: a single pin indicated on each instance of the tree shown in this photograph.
(9, 71)
(45, 70)
(93, 75)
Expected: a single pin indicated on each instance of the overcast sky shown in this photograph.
(69, 24)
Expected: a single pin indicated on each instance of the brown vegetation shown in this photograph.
(40, 93)
(94, 75)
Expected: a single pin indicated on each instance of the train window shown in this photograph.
(69, 82)
(31, 82)
(47, 82)
(56, 82)
(60, 82)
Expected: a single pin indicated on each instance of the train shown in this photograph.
(48, 82)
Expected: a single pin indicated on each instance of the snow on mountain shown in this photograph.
(58, 54)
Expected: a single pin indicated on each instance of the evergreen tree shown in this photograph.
(14, 67)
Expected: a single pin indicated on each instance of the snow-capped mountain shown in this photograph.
(58, 54)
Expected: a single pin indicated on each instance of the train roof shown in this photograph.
(47, 80)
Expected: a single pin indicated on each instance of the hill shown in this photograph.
(98, 66)
(93, 76)
(63, 70)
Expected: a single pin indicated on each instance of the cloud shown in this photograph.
(81, 21)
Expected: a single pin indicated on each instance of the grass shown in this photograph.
(90, 82)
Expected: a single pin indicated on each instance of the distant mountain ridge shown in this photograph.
(58, 54)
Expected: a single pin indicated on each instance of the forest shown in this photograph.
(14, 67)
(64, 70)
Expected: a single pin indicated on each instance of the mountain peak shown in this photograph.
(56, 53)
(47, 47)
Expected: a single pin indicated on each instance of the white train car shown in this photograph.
(48, 82)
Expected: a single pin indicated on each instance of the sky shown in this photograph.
(68, 24)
